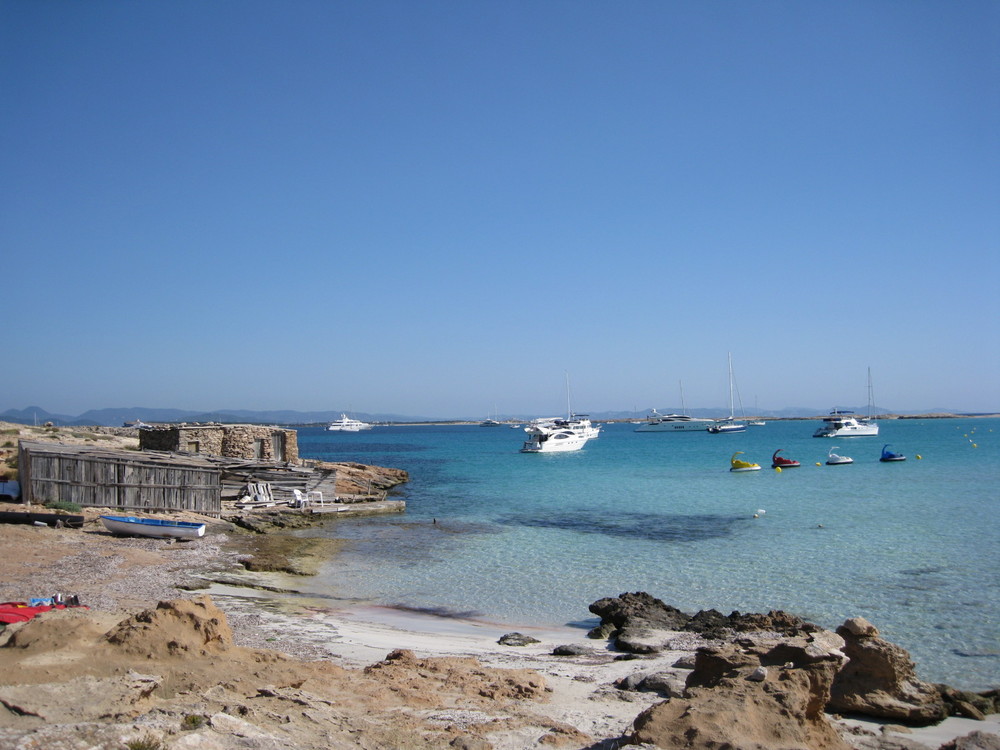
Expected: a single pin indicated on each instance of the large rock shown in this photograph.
(639, 609)
(639, 623)
(973, 741)
(880, 680)
(83, 698)
(179, 627)
(642, 624)
(762, 693)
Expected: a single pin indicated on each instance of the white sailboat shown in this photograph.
(729, 424)
(493, 421)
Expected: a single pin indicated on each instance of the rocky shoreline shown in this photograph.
(252, 664)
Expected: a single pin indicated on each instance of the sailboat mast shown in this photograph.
(871, 395)
(732, 412)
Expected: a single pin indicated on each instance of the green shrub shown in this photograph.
(145, 743)
(63, 505)
(193, 721)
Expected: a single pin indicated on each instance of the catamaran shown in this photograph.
(842, 423)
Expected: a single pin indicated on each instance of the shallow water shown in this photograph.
(534, 539)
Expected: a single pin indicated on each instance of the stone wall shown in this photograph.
(252, 442)
(263, 443)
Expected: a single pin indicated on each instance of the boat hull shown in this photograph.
(49, 519)
(780, 462)
(557, 443)
(844, 432)
(844, 425)
(726, 428)
(153, 527)
(745, 468)
(666, 426)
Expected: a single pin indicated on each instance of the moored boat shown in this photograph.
(846, 424)
(158, 528)
(832, 459)
(738, 464)
(657, 422)
(889, 456)
(780, 462)
(842, 423)
(346, 424)
(729, 424)
(555, 435)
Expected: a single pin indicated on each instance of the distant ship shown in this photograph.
(346, 424)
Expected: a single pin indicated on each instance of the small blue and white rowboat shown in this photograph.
(154, 527)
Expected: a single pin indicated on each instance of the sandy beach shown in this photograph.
(237, 660)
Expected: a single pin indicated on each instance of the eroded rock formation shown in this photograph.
(759, 693)
(880, 679)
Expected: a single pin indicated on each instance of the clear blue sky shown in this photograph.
(438, 208)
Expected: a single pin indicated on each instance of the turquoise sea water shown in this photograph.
(534, 539)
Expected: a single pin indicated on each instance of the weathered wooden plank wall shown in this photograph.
(118, 480)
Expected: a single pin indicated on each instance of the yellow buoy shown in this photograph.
(919, 456)
(777, 469)
(818, 463)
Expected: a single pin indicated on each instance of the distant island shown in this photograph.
(122, 416)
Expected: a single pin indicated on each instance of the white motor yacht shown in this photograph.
(554, 434)
(657, 422)
(346, 424)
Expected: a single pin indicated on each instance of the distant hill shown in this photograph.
(116, 417)
(35, 415)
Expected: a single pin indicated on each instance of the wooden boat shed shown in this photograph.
(147, 482)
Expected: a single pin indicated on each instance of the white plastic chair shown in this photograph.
(305, 499)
